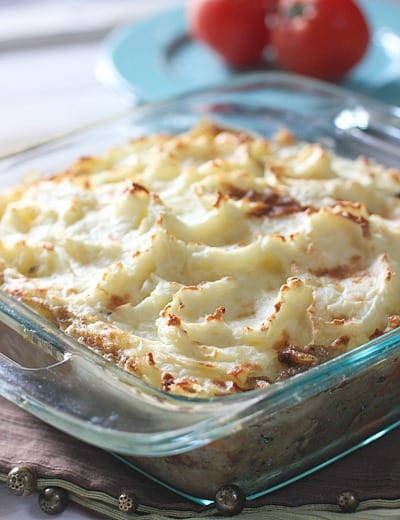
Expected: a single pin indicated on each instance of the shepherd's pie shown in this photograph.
(210, 262)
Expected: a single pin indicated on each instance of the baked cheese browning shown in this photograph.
(210, 262)
(269, 203)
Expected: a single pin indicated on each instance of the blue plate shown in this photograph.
(153, 59)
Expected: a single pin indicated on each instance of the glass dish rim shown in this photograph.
(390, 111)
(371, 351)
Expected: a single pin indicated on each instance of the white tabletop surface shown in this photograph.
(47, 81)
(48, 51)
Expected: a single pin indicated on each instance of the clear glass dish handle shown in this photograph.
(70, 394)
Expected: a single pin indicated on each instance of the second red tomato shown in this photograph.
(320, 38)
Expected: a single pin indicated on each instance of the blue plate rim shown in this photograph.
(108, 73)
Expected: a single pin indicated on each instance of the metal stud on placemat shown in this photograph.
(347, 501)
(127, 503)
(21, 481)
(53, 500)
(230, 500)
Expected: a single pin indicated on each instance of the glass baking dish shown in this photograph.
(258, 440)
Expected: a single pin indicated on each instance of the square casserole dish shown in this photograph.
(260, 439)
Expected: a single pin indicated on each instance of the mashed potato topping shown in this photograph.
(210, 262)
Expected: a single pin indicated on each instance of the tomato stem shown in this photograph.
(296, 9)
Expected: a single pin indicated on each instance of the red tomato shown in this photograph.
(235, 29)
(320, 38)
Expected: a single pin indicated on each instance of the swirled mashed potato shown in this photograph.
(210, 262)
